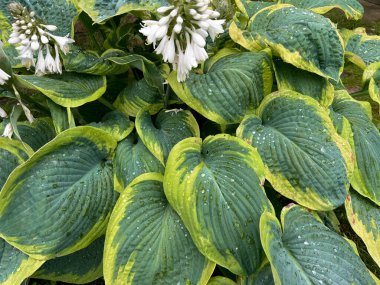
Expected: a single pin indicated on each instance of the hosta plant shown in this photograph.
(188, 142)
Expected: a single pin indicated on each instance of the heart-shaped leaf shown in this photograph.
(300, 37)
(59, 200)
(146, 242)
(305, 251)
(233, 86)
(215, 186)
(168, 128)
(305, 159)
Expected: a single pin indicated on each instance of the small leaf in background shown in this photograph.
(364, 217)
(90, 63)
(67, 187)
(102, 10)
(82, 266)
(351, 8)
(263, 276)
(146, 241)
(139, 95)
(304, 251)
(364, 138)
(12, 154)
(38, 133)
(361, 49)
(131, 160)
(115, 124)
(306, 83)
(305, 159)
(169, 127)
(215, 187)
(15, 266)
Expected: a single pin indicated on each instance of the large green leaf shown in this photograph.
(233, 86)
(15, 266)
(364, 217)
(131, 160)
(351, 8)
(139, 95)
(364, 138)
(12, 154)
(80, 267)
(306, 83)
(305, 251)
(361, 49)
(102, 10)
(116, 124)
(38, 133)
(59, 200)
(300, 37)
(215, 186)
(305, 159)
(68, 89)
(168, 128)
(146, 242)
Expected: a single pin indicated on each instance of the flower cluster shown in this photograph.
(181, 32)
(33, 37)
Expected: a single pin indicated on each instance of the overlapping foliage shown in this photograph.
(258, 169)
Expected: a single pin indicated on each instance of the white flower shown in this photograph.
(3, 77)
(63, 42)
(181, 32)
(27, 57)
(3, 114)
(40, 66)
(50, 64)
(30, 35)
(58, 63)
(8, 131)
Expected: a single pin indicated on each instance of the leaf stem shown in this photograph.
(106, 103)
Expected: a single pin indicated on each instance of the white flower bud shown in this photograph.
(44, 39)
(34, 37)
(22, 37)
(35, 45)
(8, 131)
(32, 14)
(164, 20)
(30, 25)
(179, 20)
(51, 28)
(173, 13)
(40, 66)
(164, 9)
(177, 28)
(3, 114)
(14, 40)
